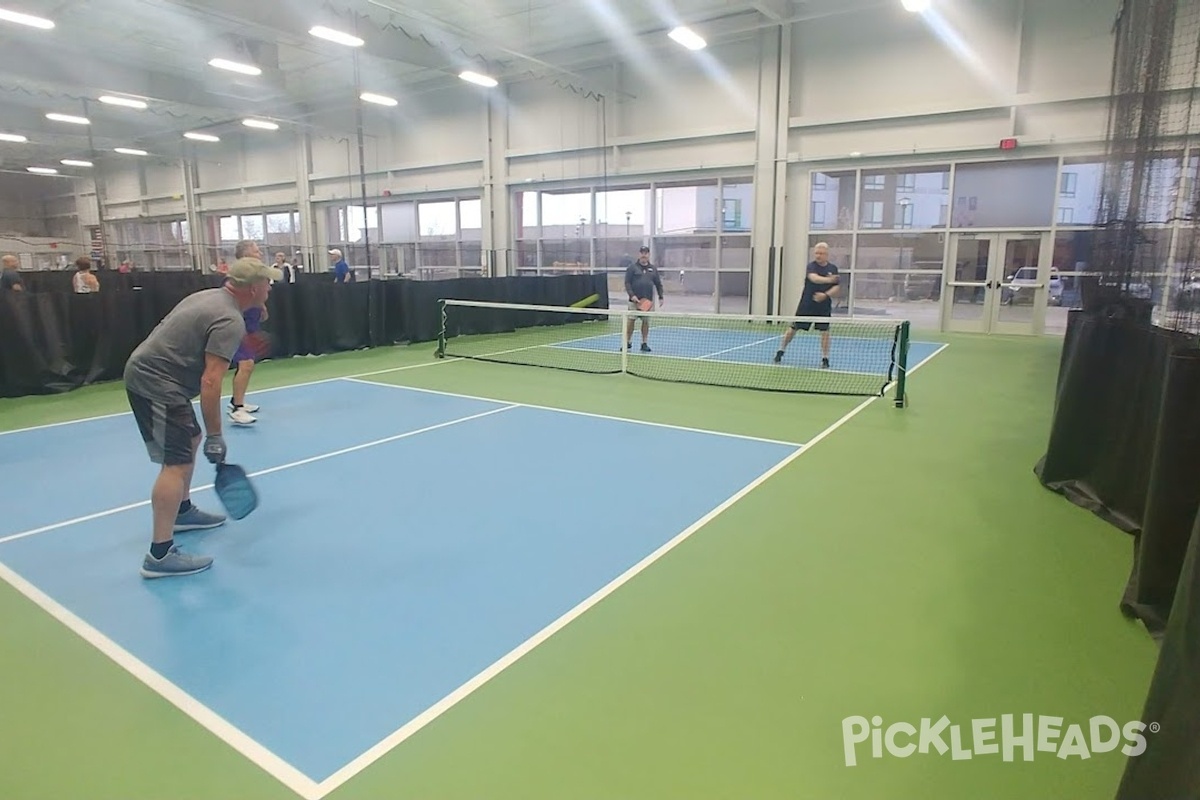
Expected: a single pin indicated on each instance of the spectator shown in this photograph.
(341, 270)
(281, 264)
(85, 281)
(10, 279)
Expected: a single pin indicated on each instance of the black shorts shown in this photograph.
(167, 429)
(803, 311)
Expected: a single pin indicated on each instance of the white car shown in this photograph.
(1020, 285)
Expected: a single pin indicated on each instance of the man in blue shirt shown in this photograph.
(820, 287)
(341, 270)
(641, 279)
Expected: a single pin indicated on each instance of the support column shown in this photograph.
(498, 248)
(196, 231)
(310, 239)
(770, 167)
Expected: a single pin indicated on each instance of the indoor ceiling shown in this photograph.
(158, 51)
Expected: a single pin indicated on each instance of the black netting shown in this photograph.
(1147, 184)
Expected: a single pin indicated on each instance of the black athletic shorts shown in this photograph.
(809, 311)
(167, 430)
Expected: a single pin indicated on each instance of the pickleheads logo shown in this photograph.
(1030, 735)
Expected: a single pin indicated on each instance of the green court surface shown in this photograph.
(907, 565)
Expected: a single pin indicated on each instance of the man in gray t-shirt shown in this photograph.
(187, 356)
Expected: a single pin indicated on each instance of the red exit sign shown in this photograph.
(1008, 144)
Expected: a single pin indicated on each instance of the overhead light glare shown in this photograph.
(69, 118)
(25, 19)
(479, 80)
(915, 6)
(130, 151)
(234, 66)
(42, 170)
(688, 38)
(12, 137)
(73, 162)
(378, 99)
(329, 34)
(201, 137)
(261, 124)
(127, 102)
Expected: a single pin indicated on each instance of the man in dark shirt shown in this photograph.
(10, 279)
(820, 287)
(641, 279)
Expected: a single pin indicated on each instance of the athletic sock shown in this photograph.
(185, 506)
(158, 550)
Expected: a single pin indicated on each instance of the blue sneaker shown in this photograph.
(196, 520)
(174, 564)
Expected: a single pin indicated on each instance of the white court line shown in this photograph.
(268, 471)
(739, 347)
(252, 393)
(572, 411)
(282, 771)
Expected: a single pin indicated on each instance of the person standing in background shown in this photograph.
(10, 279)
(341, 270)
(84, 281)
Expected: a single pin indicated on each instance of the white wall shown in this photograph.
(881, 84)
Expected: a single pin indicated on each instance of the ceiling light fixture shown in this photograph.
(330, 35)
(476, 78)
(25, 19)
(201, 137)
(42, 170)
(69, 118)
(235, 66)
(129, 151)
(127, 102)
(72, 162)
(12, 137)
(688, 38)
(378, 99)
(261, 124)
(915, 6)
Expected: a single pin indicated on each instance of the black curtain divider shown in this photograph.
(1125, 444)
(1169, 767)
(52, 340)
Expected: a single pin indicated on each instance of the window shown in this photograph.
(1066, 216)
(904, 214)
(817, 217)
(836, 191)
(437, 220)
(229, 229)
(1069, 180)
(872, 214)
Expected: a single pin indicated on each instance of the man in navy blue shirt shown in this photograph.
(641, 279)
(820, 287)
(341, 270)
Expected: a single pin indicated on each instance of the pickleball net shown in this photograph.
(865, 356)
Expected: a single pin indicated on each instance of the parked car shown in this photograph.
(1020, 286)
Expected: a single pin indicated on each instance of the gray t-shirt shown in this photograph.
(169, 364)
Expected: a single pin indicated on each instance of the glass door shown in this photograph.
(967, 296)
(996, 283)
(1023, 280)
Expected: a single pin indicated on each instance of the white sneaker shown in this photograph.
(250, 408)
(241, 416)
